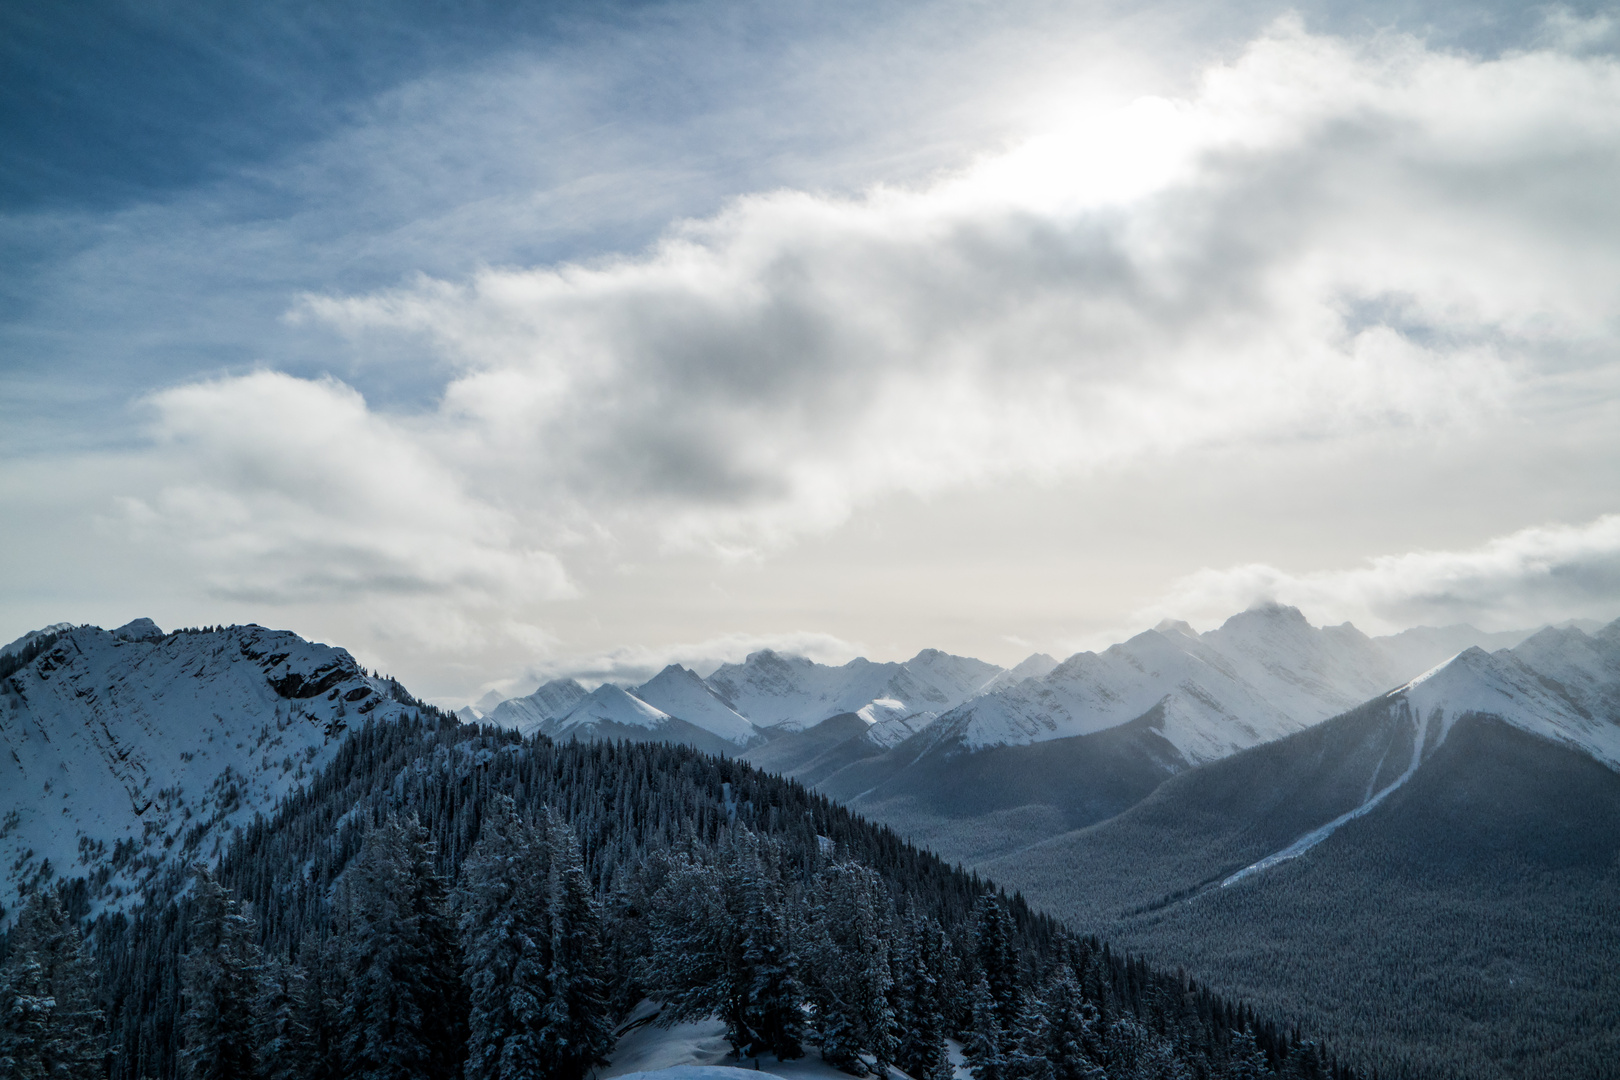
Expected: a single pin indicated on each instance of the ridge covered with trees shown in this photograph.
(446, 900)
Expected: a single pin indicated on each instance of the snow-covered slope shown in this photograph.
(792, 693)
(611, 713)
(608, 704)
(125, 752)
(1563, 685)
(1465, 825)
(678, 691)
(1263, 674)
(1035, 666)
(34, 635)
(552, 701)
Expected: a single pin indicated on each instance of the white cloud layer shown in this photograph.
(1329, 241)
(1331, 238)
(1534, 576)
(632, 664)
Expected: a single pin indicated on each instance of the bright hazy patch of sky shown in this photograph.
(585, 337)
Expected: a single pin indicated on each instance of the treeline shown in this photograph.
(451, 901)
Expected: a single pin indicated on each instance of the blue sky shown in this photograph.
(509, 339)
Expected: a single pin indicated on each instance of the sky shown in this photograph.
(500, 341)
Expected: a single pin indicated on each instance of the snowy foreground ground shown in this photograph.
(699, 1051)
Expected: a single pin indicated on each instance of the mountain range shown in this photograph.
(1432, 875)
(975, 760)
(1419, 858)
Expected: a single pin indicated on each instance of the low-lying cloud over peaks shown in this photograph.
(1535, 576)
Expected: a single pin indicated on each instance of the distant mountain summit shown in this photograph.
(791, 693)
(126, 753)
(949, 747)
(1460, 831)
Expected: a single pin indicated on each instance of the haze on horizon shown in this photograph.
(559, 338)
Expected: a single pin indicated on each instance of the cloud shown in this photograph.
(1325, 241)
(1533, 576)
(287, 490)
(1329, 239)
(632, 664)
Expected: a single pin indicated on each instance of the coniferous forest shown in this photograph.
(453, 901)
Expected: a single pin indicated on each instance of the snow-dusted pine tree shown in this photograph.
(285, 1046)
(578, 1028)
(505, 947)
(1073, 1041)
(773, 1008)
(850, 921)
(920, 1010)
(985, 1046)
(400, 1016)
(219, 979)
(1247, 1062)
(50, 1024)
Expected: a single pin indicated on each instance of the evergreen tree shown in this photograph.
(1305, 1062)
(851, 919)
(1247, 1062)
(505, 947)
(985, 1049)
(1029, 1043)
(285, 1046)
(920, 1009)
(578, 1030)
(773, 1013)
(220, 984)
(49, 1021)
(399, 1015)
(690, 963)
(1074, 1044)
(997, 954)
(25, 1017)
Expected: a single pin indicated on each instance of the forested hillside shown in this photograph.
(1463, 923)
(445, 901)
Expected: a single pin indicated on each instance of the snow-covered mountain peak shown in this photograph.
(124, 756)
(1269, 611)
(1561, 684)
(612, 705)
(1262, 674)
(791, 693)
(1176, 626)
(680, 692)
(551, 701)
(142, 629)
(34, 635)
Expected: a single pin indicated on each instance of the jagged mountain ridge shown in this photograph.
(1258, 687)
(791, 693)
(1053, 746)
(1464, 828)
(1262, 674)
(551, 701)
(769, 695)
(125, 752)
